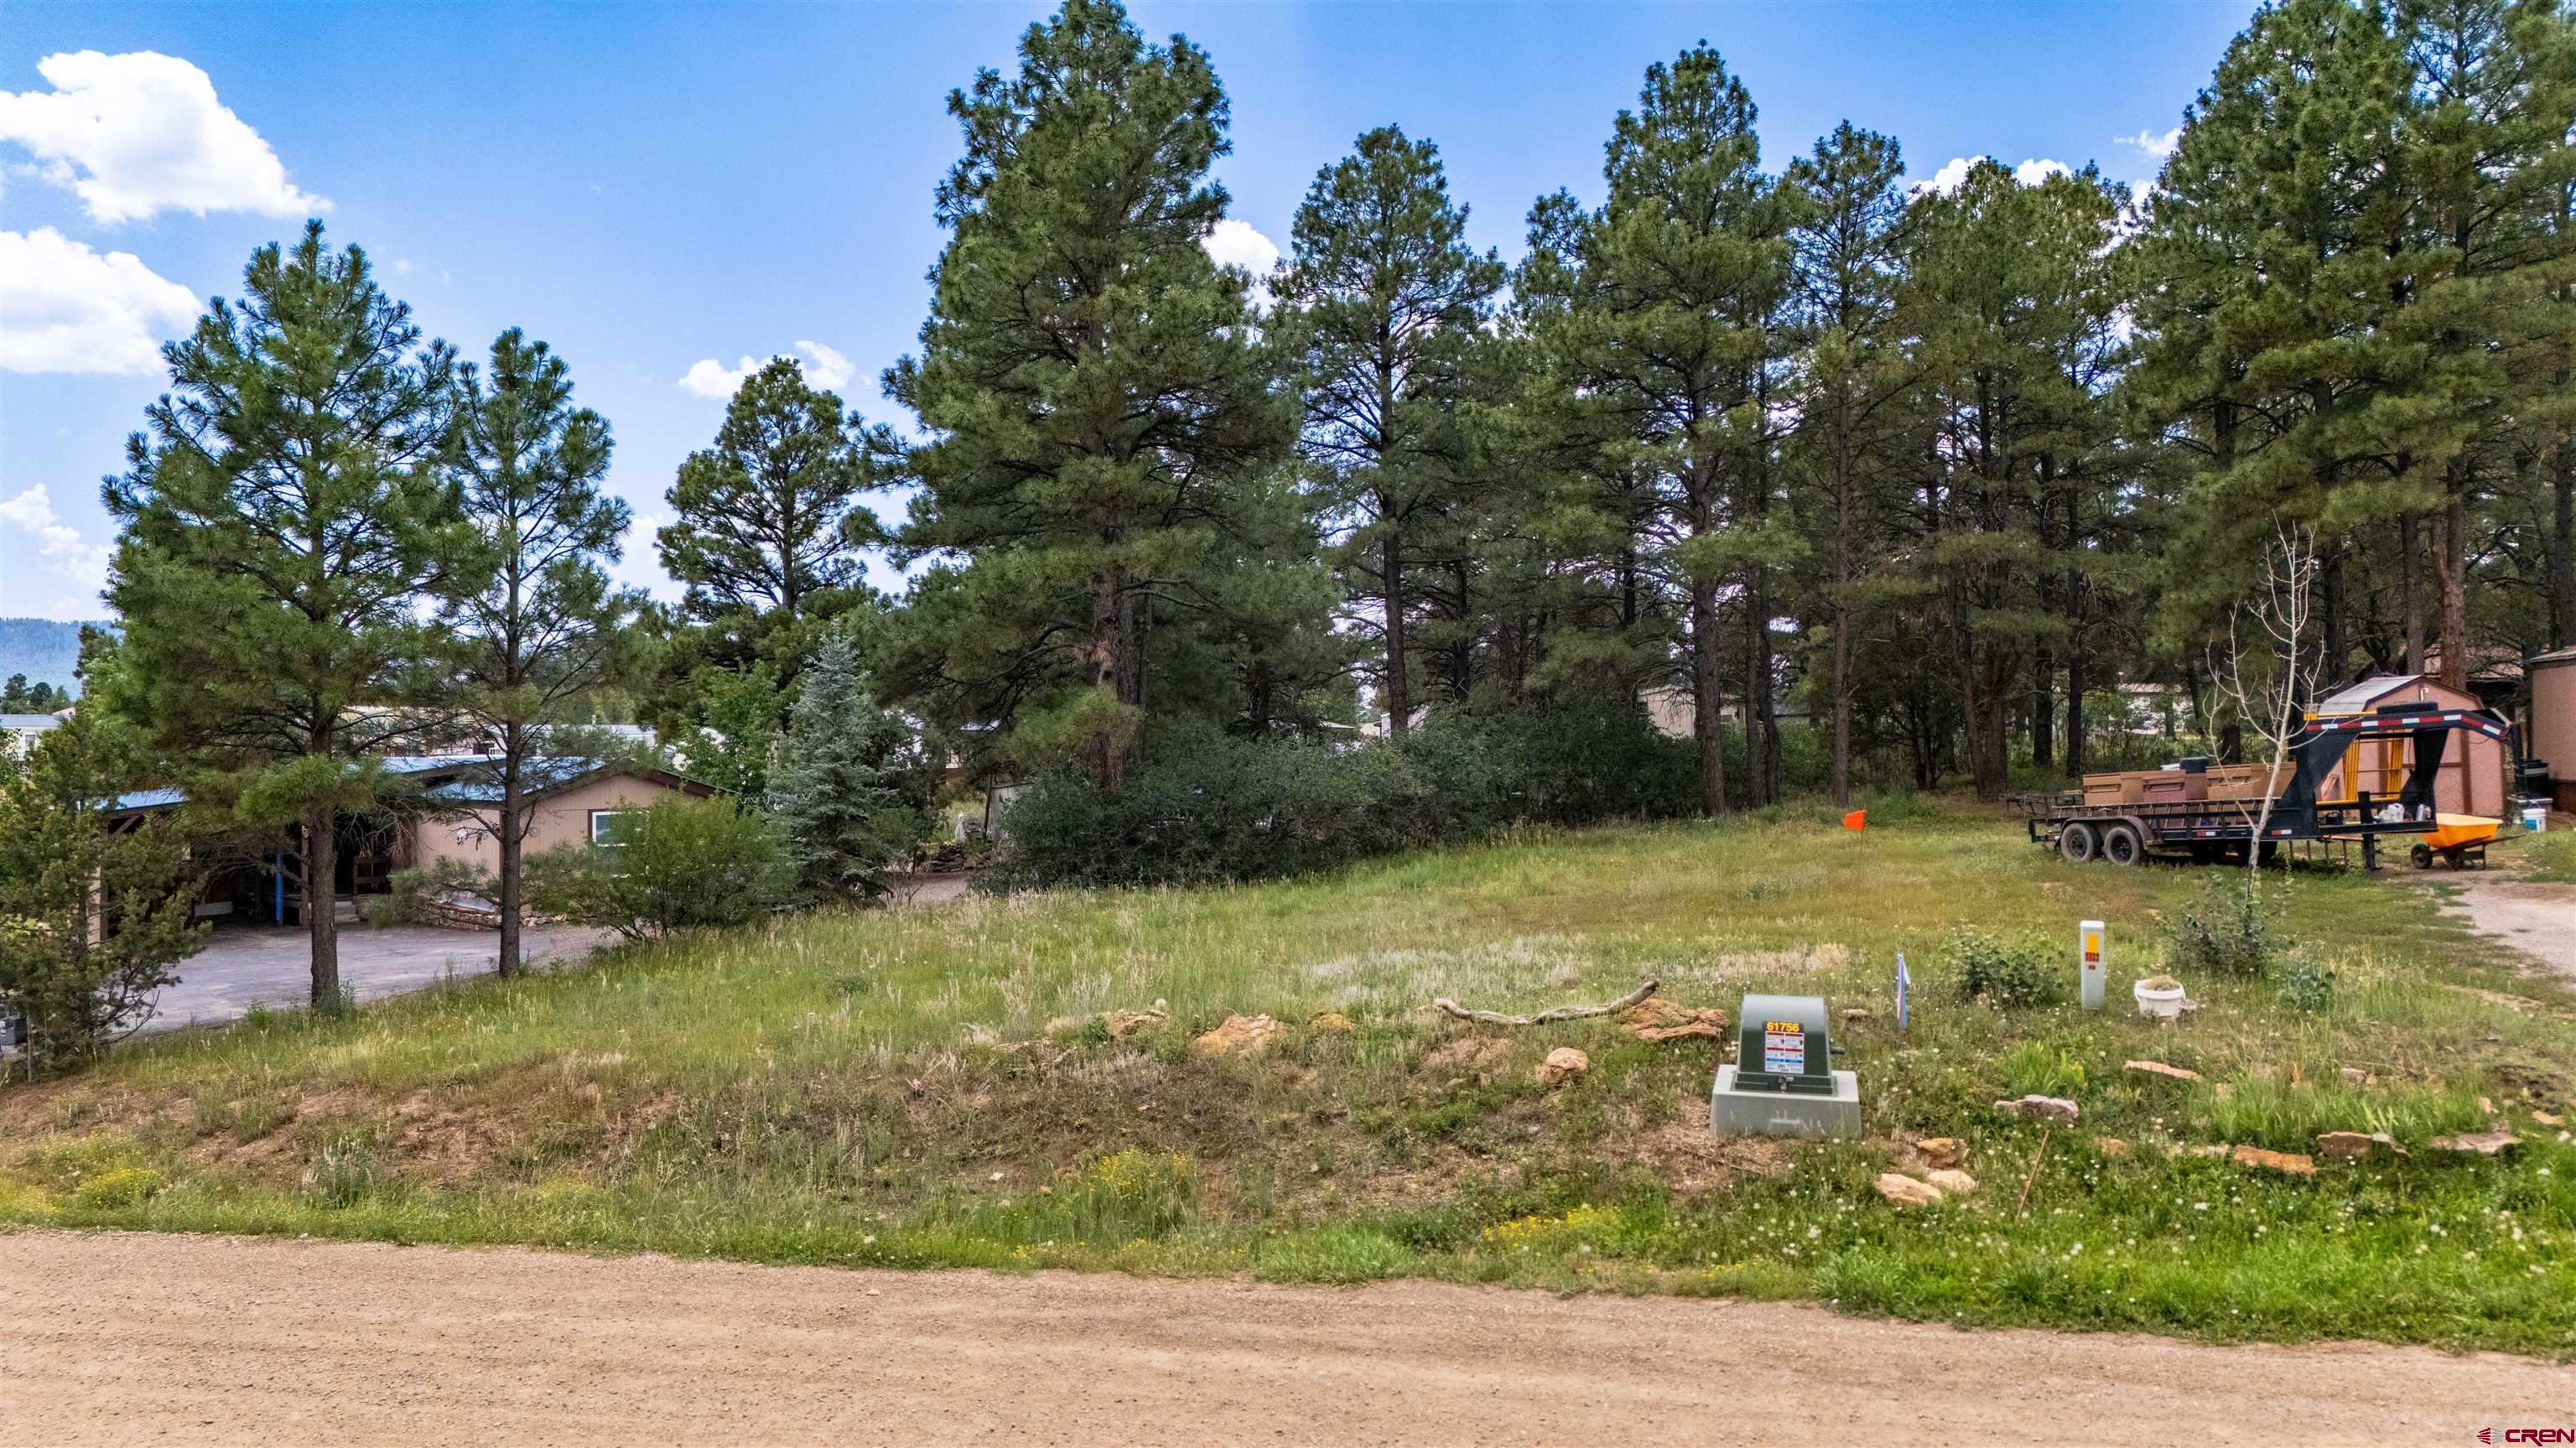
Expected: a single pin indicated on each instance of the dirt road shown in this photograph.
(2537, 919)
(125, 1338)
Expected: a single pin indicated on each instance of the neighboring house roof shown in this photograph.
(2554, 656)
(31, 722)
(545, 775)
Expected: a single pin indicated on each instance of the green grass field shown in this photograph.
(941, 1087)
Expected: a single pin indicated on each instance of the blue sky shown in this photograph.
(650, 187)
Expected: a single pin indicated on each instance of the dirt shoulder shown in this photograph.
(124, 1337)
(2535, 918)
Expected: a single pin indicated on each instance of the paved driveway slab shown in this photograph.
(243, 965)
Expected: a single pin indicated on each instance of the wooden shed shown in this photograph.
(2553, 721)
(2473, 778)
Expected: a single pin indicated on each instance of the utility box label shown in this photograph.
(2088, 950)
(1784, 1048)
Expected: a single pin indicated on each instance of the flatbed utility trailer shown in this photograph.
(2126, 832)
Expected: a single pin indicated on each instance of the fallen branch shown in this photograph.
(2036, 1158)
(1561, 1013)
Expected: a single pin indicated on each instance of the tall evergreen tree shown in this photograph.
(537, 627)
(848, 786)
(1681, 275)
(1382, 301)
(1853, 378)
(766, 524)
(1095, 392)
(281, 522)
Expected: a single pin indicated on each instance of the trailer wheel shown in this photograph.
(2076, 842)
(2121, 845)
(2421, 856)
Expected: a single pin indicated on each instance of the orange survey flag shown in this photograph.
(1855, 819)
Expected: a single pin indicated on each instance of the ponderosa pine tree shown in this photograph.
(93, 914)
(1852, 379)
(282, 521)
(766, 526)
(1674, 325)
(1382, 300)
(848, 785)
(538, 629)
(1095, 393)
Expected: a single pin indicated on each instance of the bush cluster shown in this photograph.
(681, 863)
(1217, 807)
(2224, 929)
(2023, 973)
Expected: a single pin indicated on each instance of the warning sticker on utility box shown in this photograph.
(1784, 1048)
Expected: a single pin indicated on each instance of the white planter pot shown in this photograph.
(2165, 1003)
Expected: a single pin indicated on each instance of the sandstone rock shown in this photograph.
(1904, 1191)
(1657, 1019)
(2110, 1146)
(1123, 1024)
(1952, 1181)
(1942, 1151)
(1238, 1036)
(2285, 1162)
(2486, 1106)
(1466, 1051)
(2547, 1118)
(1333, 1023)
(2354, 1076)
(2041, 1108)
(2159, 1068)
(2353, 1145)
(1562, 1065)
(2497, 1137)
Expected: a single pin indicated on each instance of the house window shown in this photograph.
(603, 824)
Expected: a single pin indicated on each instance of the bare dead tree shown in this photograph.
(2263, 686)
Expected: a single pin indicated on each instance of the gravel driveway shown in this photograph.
(244, 965)
(129, 1338)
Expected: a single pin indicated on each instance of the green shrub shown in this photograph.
(345, 1171)
(2307, 983)
(679, 864)
(2224, 929)
(2020, 974)
(405, 889)
(1209, 806)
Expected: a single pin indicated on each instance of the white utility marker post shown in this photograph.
(2088, 956)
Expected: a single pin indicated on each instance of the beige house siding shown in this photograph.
(2553, 725)
(562, 818)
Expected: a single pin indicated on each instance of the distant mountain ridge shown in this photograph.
(46, 650)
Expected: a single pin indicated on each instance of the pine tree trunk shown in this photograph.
(2410, 573)
(2043, 709)
(321, 906)
(2075, 684)
(1708, 729)
(1838, 780)
(1399, 695)
(1757, 694)
(1106, 761)
(2450, 578)
(2562, 543)
(513, 825)
(2330, 604)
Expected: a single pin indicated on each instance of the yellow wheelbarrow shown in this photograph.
(2458, 838)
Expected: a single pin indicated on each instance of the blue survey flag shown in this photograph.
(1903, 981)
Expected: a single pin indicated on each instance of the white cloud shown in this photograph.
(1954, 173)
(825, 367)
(1950, 177)
(58, 545)
(402, 266)
(141, 133)
(1238, 243)
(66, 308)
(639, 564)
(2151, 145)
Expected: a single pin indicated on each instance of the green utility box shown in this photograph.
(1783, 1081)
